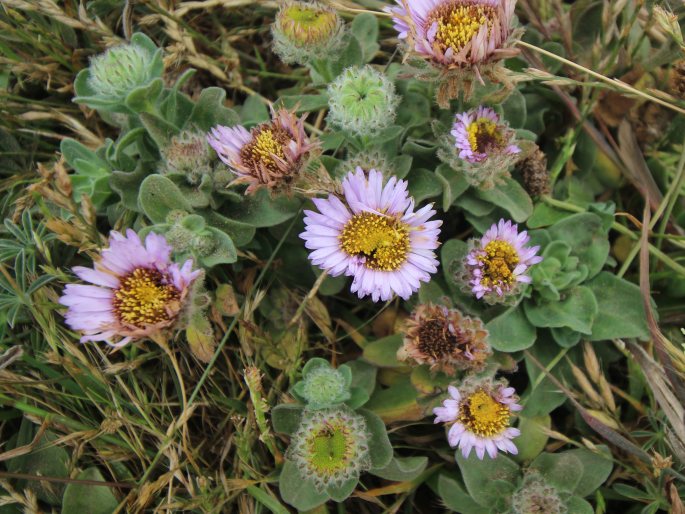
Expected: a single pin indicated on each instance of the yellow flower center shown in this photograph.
(383, 240)
(482, 415)
(484, 135)
(264, 145)
(458, 23)
(331, 448)
(499, 262)
(307, 25)
(143, 297)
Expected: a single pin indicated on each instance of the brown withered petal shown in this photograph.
(444, 339)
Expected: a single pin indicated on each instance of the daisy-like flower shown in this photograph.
(454, 33)
(496, 265)
(270, 155)
(445, 339)
(479, 135)
(462, 39)
(374, 236)
(481, 146)
(136, 291)
(480, 416)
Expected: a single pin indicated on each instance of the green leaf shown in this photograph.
(511, 331)
(340, 492)
(351, 56)
(455, 498)
(260, 210)
(286, 417)
(621, 311)
(511, 197)
(453, 185)
(422, 185)
(544, 216)
(363, 375)
(577, 505)
(586, 234)
(401, 469)
(160, 130)
(365, 29)
(254, 111)
(487, 480)
(533, 437)
(159, 196)
(297, 490)
(396, 403)
(210, 110)
(562, 470)
(426, 381)
(514, 109)
(223, 252)
(305, 103)
(143, 98)
(596, 469)
(79, 498)
(577, 310)
(380, 449)
(545, 397)
(383, 352)
(45, 459)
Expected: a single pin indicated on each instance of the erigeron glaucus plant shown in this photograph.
(270, 156)
(480, 146)
(375, 236)
(304, 32)
(362, 101)
(136, 291)
(460, 40)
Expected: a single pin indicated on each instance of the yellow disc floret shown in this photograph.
(264, 145)
(483, 415)
(457, 24)
(484, 135)
(143, 297)
(499, 261)
(383, 240)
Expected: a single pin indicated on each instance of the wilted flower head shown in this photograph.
(375, 236)
(270, 155)
(120, 70)
(456, 33)
(496, 265)
(481, 146)
(534, 173)
(331, 446)
(445, 339)
(189, 154)
(479, 413)
(137, 291)
(304, 32)
(362, 101)
(535, 496)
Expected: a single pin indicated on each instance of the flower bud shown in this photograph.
(362, 101)
(120, 70)
(188, 154)
(304, 32)
(536, 496)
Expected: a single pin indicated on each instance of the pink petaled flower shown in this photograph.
(498, 262)
(374, 236)
(456, 33)
(480, 415)
(137, 291)
(479, 135)
(270, 155)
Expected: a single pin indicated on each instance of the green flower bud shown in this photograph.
(331, 446)
(537, 497)
(323, 386)
(362, 101)
(188, 154)
(304, 32)
(120, 70)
